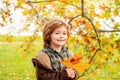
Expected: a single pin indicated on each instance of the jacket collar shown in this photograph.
(50, 49)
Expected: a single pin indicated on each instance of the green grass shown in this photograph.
(13, 66)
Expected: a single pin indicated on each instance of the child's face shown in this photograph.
(59, 37)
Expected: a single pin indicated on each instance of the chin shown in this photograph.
(62, 44)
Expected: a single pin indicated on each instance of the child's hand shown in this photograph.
(70, 72)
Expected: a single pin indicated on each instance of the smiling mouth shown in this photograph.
(60, 40)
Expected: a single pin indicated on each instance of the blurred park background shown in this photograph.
(95, 33)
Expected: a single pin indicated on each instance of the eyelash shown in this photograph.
(63, 33)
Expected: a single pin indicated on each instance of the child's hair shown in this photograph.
(50, 27)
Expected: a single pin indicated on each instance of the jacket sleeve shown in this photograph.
(44, 74)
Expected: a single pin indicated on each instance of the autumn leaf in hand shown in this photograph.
(76, 59)
(66, 62)
(81, 66)
(76, 63)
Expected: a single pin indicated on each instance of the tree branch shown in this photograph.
(83, 15)
(54, 0)
(95, 29)
(108, 25)
(40, 1)
(73, 19)
(33, 8)
(108, 30)
(82, 2)
(94, 55)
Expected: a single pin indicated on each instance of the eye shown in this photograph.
(65, 33)
(57, 33)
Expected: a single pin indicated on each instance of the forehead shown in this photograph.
(61, 28)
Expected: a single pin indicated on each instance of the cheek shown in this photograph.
(51, 38)
(66, 36)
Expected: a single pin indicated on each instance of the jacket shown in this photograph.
(44, 70)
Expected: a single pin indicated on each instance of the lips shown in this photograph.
(60, 40)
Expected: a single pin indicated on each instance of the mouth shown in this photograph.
(60, 40)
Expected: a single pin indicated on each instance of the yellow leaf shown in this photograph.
(76, 63)
(32, 12)
(94, 73)
(76, 58)
(92, 6)
(102, 16)
(66, 62)
(80, 67)
(25, 13)
(65, 1)
(97, 24)
(116, 13)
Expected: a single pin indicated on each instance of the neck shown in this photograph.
(58, 49)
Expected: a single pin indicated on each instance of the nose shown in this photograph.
(61, 35)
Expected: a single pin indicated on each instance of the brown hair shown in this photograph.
(50, 27)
